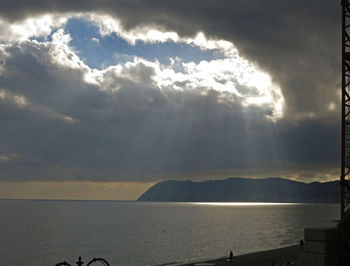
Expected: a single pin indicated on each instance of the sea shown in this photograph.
(40, 232)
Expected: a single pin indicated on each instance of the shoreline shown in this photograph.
(278, 256)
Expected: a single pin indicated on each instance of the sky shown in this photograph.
(102, 99)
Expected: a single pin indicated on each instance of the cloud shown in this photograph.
(94, 39)
(280, 38)
(7, 157)
(141, 120)
(233, 73)
(22, 103)
(39, 26)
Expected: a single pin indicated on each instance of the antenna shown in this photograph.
(345, 105)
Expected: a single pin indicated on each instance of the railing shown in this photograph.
(80, 262)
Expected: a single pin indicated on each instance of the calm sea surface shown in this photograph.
(134, 234)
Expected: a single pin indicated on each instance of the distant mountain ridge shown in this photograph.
(238, 189)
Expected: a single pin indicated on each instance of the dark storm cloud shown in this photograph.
(297, 42)
(142, 133)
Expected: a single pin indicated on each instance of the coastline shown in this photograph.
(278, 256)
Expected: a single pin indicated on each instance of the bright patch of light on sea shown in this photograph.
(244, 203)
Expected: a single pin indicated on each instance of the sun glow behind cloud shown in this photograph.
(231, 74)
(41, 26)
(223, 75)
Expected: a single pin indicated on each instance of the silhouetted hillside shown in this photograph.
(244, 190)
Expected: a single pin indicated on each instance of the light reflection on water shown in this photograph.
(140, 233)
(243, 203)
